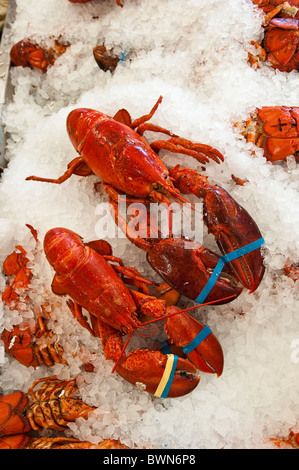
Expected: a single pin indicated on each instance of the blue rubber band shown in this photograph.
(165, 348)
(123, 55)
(197, 340)
(170, 380)
(222, 261)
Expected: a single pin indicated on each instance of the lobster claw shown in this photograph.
(171, 258)
(234, 228)
(145, 369)
(182, 329)
(230, 223)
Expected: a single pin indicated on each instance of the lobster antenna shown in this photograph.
(186, 310)
(122, 351)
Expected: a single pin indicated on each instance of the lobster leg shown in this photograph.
(75, 167)
(76, 311)
(200, 152)
(147, 224)
(284, 9)
(175, 144)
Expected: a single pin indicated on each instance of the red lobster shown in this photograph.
(52, 406)
(27, 53)
(23, 344)
(110, 148)
(275, 129)
(86, 275)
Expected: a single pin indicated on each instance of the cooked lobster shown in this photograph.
(85, 273)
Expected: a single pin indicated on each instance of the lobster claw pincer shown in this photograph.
(172, 258)
(197, 341)
(150, 371)
(233, 228)
(231, 225)
(160, 374)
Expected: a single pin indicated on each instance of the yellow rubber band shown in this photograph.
(168, 372)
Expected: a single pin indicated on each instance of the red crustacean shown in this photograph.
(292, 271)
(279, 47)
(51, 406)
(32, 345)
(275, 129)
(278, 8)
(125, 162)
(16, 265)
(27, 53)
(12, 414)
(86, 275)
(114, 151)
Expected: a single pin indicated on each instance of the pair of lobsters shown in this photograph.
(118, 298)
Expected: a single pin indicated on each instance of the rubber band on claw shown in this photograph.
(167, 378)
(203, 334)
(222, 261)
